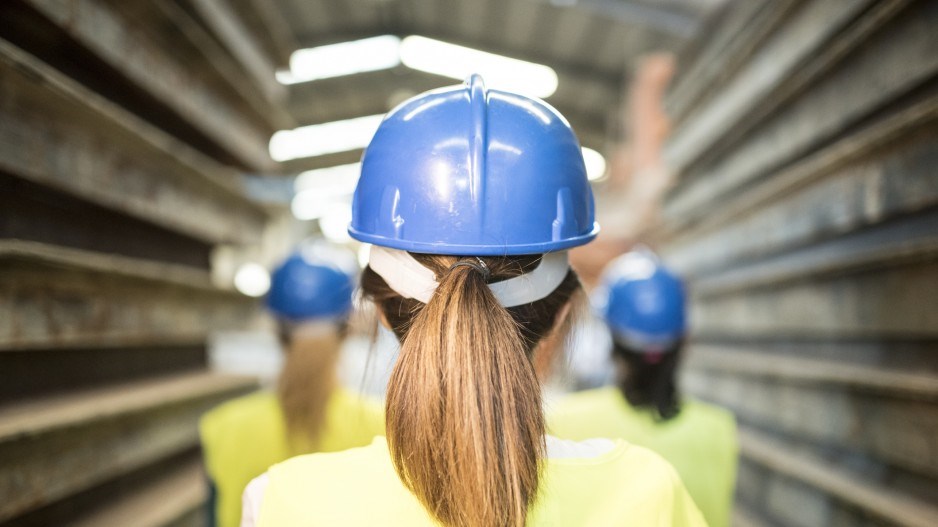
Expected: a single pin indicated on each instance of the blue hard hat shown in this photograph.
(469, 171)
(642, 302)
(316, 282)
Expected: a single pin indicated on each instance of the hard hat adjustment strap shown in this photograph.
(410, 279)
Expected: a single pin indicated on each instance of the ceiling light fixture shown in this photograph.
(458, 62)
(344, 58)
(252, 279)
(326, 138)
(317, 191)
(595, 164)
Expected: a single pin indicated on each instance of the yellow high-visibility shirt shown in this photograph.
(700, 441)
(627, 485)
(243, 437)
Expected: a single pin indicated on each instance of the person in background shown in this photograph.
(471, 198)
(311, 298)
(643, 305)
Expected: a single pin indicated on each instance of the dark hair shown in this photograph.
(649, 380)
(464, 419)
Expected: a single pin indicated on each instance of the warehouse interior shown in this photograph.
(157, 157)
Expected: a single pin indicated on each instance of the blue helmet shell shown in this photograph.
(642, 302)
(307, 286)
(466, 170)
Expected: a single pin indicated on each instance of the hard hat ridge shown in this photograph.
(470, 171)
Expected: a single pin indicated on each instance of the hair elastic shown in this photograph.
(478, 265)
(410, 279)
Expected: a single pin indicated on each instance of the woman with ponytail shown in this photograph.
(311, 298)
(470, 198)
(643, 305)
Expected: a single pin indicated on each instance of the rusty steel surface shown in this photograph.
(905, 58)
(805, 219)
(53, 297)
(269, 110)
(893, 301)
(725, 52)
(242, 43)
(270, 25)
(773, 64)
(174, 499)
(160, 494)
(55, 132)
(100, 435)
(126, 45)
(899, 431)
(874, 377)
(862, 181)
(124, 128)
(886, 503)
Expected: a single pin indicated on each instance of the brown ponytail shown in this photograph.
(464, 420)
(306, 382)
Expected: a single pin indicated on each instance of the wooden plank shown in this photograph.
(57, 297)
(100, 435)
(55, 132)
(242, 44)
(876, 498)
(166, 501)
(888, 181)
(832, 105)
(127, 46)
(899, 301)
(896, 431)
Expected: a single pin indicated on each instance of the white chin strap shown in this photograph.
(410, 279)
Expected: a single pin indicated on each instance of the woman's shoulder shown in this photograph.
(616, 459)
(253, 409)
(625, 481)
(329, 486)
(585, 404)
(707, 424)
(319, 462)
(349, 400)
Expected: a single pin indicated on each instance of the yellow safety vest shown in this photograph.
(243, 437)
(700, 441)
(628, 485)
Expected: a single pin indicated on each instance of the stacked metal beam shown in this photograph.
(123, 127)
(806, 218)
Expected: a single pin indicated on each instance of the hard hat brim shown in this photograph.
(475, 249)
